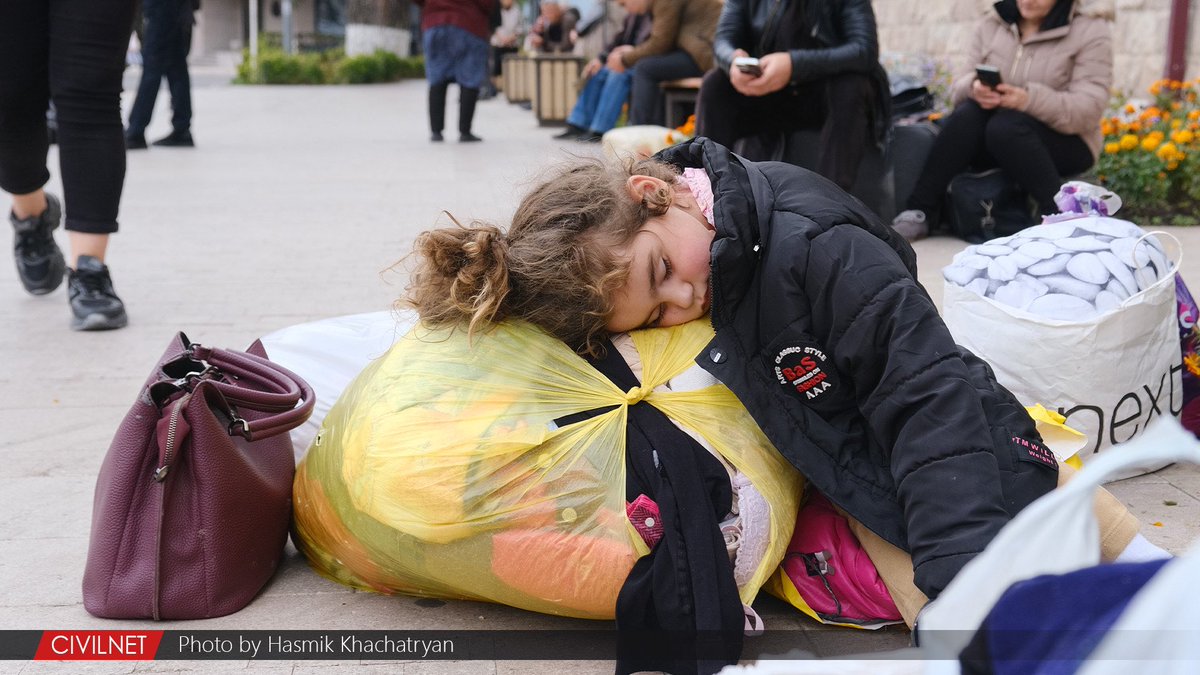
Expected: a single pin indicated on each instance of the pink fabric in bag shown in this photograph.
(831, 570)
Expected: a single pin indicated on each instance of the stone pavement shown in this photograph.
(293, 208)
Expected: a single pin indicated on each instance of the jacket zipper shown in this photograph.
(768, 29)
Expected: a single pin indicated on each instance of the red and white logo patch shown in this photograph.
(803, 370)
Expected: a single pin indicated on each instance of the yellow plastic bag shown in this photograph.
(441, 471)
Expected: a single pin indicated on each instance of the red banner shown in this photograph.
(98, 645)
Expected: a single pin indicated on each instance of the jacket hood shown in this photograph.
(745, 197)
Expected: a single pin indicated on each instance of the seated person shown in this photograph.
(818, 69)
(506, 38)
(599, 104)
(554, 30)
(680, 45)
(1041, 122)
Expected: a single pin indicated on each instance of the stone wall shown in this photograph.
(943, 28)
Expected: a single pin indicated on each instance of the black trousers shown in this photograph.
(165, 47)
(1033, 154)
(840, 106)
(647, 103)
(74, 52)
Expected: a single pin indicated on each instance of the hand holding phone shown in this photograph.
(748, 65)
(989, 76)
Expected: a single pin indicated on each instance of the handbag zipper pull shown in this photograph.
(160, 474)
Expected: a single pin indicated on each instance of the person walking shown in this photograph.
(71, 52)
(167, 39)
(455, 36)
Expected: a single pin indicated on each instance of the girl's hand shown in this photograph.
(1012, 96)
(985, 96)
(592, 68)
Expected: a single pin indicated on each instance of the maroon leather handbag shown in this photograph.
(194, 498)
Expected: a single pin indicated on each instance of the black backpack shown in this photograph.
(985, 205)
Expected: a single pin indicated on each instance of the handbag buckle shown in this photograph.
(243, 431)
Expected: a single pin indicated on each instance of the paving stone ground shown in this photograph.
(293, 207)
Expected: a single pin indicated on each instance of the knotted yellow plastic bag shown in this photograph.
(441, 470)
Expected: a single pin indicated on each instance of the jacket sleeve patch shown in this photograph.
(1032, 451)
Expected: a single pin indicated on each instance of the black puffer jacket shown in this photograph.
(825, 335)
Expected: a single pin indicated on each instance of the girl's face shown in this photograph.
(668, 281)
(1035, 11)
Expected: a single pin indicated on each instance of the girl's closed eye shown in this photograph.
(666, 268)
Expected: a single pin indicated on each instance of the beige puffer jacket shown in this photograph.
(1067, 71)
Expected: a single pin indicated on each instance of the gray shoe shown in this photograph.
(911, 224)
(40, 263)
(94, 303)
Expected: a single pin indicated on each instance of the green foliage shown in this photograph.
(1151, 155)
(331, 66)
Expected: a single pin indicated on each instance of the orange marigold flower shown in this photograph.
(1165, 152)
(933, 117)
(1192, 361)
(1129, 142)
(1171, 166)
(1150, 143)
(1112, 148)
(1183, 137)
(1175, 124)
(1129, 109)
(1194, 115)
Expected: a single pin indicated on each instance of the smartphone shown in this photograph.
(989, 76)
(748, 65)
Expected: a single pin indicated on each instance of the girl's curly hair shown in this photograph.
(557, 266)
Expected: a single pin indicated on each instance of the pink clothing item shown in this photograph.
(697, 181)
(831, 570)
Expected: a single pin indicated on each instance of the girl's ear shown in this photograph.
(641, 186)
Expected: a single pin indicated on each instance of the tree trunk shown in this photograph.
(378, 24)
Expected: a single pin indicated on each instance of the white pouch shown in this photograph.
(330, 353)
(1110, 376)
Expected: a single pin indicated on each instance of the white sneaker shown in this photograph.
(911, 224)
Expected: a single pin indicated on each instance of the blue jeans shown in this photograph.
(600, 102)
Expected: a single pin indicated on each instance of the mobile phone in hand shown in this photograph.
(748, 65)
(989, 76)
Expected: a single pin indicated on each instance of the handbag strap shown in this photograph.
(280, 391)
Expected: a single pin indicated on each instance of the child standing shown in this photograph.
(822, 331)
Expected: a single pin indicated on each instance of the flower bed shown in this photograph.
(1151, 155)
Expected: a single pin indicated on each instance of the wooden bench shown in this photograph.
(548, 82)
(680, 99)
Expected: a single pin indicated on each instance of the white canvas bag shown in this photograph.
(1110, 376)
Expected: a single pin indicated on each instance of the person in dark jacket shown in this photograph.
(599, 104)
(167, 40)
(455, 43)
(818, 68)
(821, 330)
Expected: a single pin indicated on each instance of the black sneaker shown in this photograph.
(590, 137)
(176, 139)
(135, 141)
(94, 303)
(570, 133)
(39, 260)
